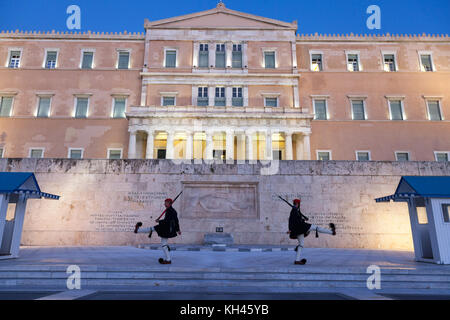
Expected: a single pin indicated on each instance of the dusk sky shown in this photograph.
(325, 16)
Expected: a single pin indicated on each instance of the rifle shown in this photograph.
(294, 207)
(172, 203)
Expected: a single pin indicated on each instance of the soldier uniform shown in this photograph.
(299, 229)
(166, 228)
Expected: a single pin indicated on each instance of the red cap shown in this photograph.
(297, 201)
(168, 199)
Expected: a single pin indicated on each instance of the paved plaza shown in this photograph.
(206, 273)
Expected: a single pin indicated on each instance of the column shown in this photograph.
(269, 153)
(230, 145)
(249, 145)
(143, 94)
(288, 143)
(169, 145)
(132, 146)
(150, 141)
(19, 217)
(211, 95)
(244, 57)
(228, 96)
(306, 147)
(228, 54)
(194, 95)
(195, 54)
(245, 96)
(4, 200)
(212, 54)
(209, 145)
(189, 145)
(296, 97)
(299, 154)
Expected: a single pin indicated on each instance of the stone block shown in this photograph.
(218, 238)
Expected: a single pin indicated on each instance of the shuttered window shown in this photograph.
(168, 101)
(124, 60)
(203, 56)
(76, 154)
(323, 156)
(81, 108)
(396, 110)
(119, 108)
(402, 156)
(220, 97)
(202, 98)
(427, 65)
(36, 153)
(320, 109)
(237, 56)
(220, 56)
(114, 154)
(271, 102)
(14, 59)
(269, 59)
(442, 156)
(171, 58)
(5, 106)
(358, 110)
(44, 107)
(88, 58)
(237, 100)
(362, 156)
(352, 62)
(316, 62)
(434, 110)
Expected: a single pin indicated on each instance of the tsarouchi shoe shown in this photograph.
(303, 261)
(138, 225)
(333, 228)
(162, 261)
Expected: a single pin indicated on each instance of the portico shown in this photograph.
(213, 133)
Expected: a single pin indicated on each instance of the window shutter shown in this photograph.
(321, 110)
(44, 107)
(171, 59)
(87, 60)
(358, 110)
(396, 110)
(119, 108)
(435, 113)
(82, 105)
(5, 106)
(124, 58)
(269, 58)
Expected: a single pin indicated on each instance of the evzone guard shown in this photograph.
(299, 228)
(166, 228)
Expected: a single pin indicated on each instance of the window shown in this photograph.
(441, 156)
(219, 154)
(358, 110)
(5, 106)
(43, 107)
(220, 97)
(395, 107)
(426, 64)
(389, 62)
(237, 100)
(434, 110)
(161, 154)
(168, 101)
(220, 55)
(202, 98)
(402, 156)
(269, 59)
(81, 108)
(75, 153)
(363, 155)
(114, 153)
(171, 59)
(320, 109)
(277, 155)
(88, 59)
(316, 62)
(14, 59)
(2, 150)
(203, 56)
(352, 62)
(119, 108)
(271, 102)
(50, 59)
(323, 155)
(36, 153)
(123, 60)
(446, 212)
(237, 56)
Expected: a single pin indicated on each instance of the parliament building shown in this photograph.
(225, 85)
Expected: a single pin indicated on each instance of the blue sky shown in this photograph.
(324, 16)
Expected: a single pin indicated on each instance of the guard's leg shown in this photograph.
(165, 248)
(320, 230)
(301, 241)
(145, 230)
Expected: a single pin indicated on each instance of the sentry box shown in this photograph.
(428, 201)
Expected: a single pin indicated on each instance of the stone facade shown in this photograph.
(101, 200)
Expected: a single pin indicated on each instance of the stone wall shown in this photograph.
(101, 200)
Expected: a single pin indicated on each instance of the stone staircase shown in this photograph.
(287, 278)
